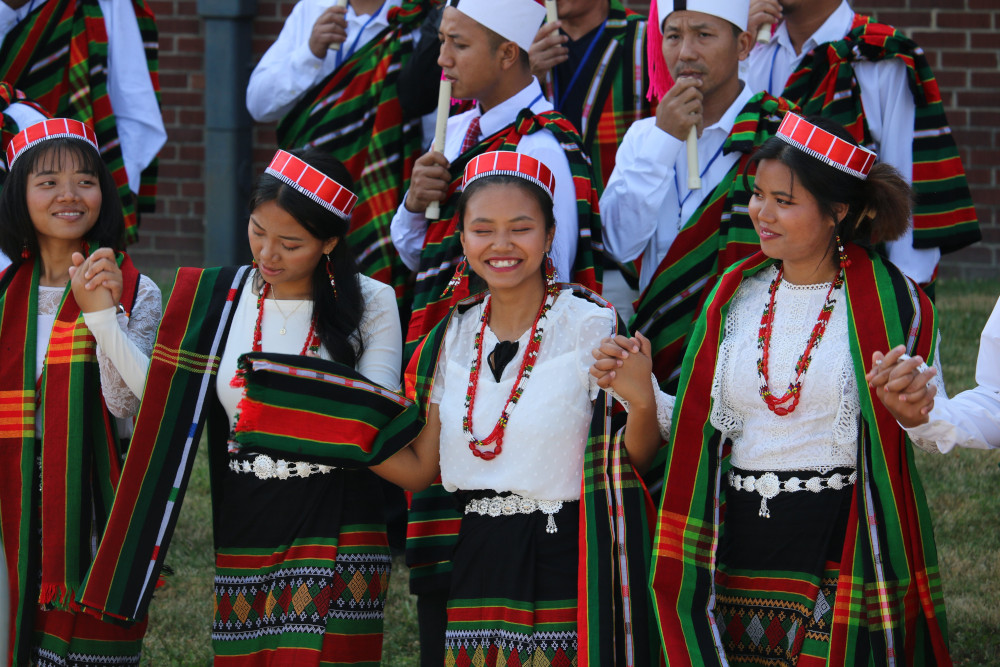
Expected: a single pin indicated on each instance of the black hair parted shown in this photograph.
(338, 317)
(17, 231)
(879, 207)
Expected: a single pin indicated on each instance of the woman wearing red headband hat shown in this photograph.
(66, 403)
(539, 570)
(793, 526)
(293, 362)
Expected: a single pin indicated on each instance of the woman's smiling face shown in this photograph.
(63, 197)
(787, 217)
(504, 236)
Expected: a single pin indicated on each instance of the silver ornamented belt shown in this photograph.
(515, 504)
(768, 485)
(264, 467)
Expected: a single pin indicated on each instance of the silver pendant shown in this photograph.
(281, 331)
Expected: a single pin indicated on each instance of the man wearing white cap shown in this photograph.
(687, 236)
(869, 71)
(484, 54)
(647, 200)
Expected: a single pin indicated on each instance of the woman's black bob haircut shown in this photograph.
(17, 231)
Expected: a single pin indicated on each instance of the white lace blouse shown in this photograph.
(546, 436)
(821, 433)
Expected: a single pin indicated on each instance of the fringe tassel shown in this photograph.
(58, 596)
(660, 80)
(249, 415)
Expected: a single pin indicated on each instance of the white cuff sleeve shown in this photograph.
(408, 231)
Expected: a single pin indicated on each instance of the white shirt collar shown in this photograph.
(381, 18)
(728, 119)
(504, 113)
(9, 17)
(834, 28)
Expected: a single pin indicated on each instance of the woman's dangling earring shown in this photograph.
(253, 264)
(329, 272)
(25, 253)
(550, 274)
(844, 261)
(455, 279)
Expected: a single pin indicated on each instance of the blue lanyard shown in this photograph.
(559, 100)
(677, 186)
(770, 75)
(341, 56)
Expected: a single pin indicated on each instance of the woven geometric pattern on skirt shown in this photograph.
(513, 592)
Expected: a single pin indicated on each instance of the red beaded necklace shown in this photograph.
(527, 363)
(776, 403)
(310, 347)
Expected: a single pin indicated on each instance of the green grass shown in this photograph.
(961, 489)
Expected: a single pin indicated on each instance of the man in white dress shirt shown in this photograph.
(888, 105)
(647, 200)
(301, 57)
(484, 53)
(686, 237)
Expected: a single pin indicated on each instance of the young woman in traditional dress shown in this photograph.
(510, 407)
(307, 353)
(793, 527)
(66, 403)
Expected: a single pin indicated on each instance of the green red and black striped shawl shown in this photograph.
(355, 114)
(312, 407)
(616, 92)
(79, 452)
(443, 249)
(889, 606)
(614, 616)
(718, 234)
(824, 84)
(8, 96)
(296, 406)
(58, 55)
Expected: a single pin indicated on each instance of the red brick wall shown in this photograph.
(961, 43)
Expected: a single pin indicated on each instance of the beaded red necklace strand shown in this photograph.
(527, 363)
(794, 392)
(311, 346)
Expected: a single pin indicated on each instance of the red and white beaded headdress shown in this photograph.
(313, 183)
(825, 147)
(509, 163)
(54, 128)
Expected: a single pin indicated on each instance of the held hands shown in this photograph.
(761, 12)
(681, 108)
(329, 28)
(547, 50)
(624, 364)
(429, 182)
(902, 384)
(96, 280)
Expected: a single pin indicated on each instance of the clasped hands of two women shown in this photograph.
(901, 382)
(96, 280)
